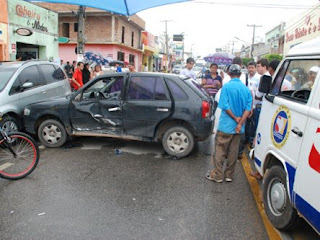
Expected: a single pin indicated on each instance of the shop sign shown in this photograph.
(24, 32)
(33, 18)
(148, 39)
(13, 48)
(309, 28)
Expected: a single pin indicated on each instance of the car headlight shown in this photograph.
(26, 112)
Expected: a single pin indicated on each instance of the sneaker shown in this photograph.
(209, 177)
(228, 179)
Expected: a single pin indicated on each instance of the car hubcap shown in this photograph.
(277, 197)
(178, 142)
(51, 134)
(10, 126)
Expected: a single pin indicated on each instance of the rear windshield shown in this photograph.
(5, 75)
(197, 87)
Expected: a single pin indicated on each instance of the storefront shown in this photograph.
(33, 31)
(302, 28)
(4, 50)
(148, 45)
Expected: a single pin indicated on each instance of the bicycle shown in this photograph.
(19, 155)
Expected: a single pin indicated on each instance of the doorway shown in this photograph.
(27, 51)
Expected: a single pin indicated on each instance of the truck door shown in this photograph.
(307, 180)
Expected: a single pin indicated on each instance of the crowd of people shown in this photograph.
(80, 73)
(237, 110)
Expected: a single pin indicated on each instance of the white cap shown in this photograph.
(314, 69)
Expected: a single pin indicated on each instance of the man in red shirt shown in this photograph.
(76, 81)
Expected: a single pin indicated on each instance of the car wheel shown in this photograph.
(9, 124)
(178, 141)
(276, 200)
(52, 133)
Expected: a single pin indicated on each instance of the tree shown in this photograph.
(245, 61)
(270, 57)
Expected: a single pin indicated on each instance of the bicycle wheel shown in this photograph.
(19, 156)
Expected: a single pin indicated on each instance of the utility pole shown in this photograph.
(167, 42)
(254, 30)
(80, 45)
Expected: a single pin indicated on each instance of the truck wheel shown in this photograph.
(9, 124)
(276, 200)
(178, 141)
(52, 133)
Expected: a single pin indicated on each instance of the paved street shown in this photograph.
(87, 191)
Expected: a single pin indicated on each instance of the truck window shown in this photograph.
(295, 79)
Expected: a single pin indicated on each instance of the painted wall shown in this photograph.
(4, 49)
(302, 28)
(67, 52)
(43, 24)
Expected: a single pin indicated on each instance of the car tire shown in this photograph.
(9, 124)
(52, 133)
(178, 141)
(276, 200)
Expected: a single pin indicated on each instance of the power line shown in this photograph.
(257, 5)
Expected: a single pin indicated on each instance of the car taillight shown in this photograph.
(205, 109)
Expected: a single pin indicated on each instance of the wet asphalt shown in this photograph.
(100, 188)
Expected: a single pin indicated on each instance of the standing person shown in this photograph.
(86, 74)
(253, 84)
(145, 68)
(74, 66)
(212, 82)
(76, 80)
(262, 68)
(188, 70)
(118, 68)
(243, 77)
(131, 68)
(97, 71)
(68, 69)
(235, 103)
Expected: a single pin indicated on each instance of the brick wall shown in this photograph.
(129, 28)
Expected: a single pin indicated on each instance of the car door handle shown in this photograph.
(114, 109)
(162, 110)
(297, 132)
(44, 91)
(97, 116)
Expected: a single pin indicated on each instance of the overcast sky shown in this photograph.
(210, 24)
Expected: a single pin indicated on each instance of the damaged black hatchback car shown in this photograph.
(136, 106)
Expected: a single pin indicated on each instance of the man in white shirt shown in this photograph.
(243, 77)
(262, 69)
(188, 70)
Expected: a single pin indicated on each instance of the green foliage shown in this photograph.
(245, 61)
(270, 57)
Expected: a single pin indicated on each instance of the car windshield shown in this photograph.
(5, 75)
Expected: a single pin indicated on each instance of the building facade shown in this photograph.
(275, 39)
(111, 35)
(32, 31)
(302, 28)
(4, 40)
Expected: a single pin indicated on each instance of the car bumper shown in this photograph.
(203, 130)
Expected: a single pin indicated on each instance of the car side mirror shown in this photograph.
(27, 85)
(265, 84)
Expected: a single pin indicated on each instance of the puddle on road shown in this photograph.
(139, 149)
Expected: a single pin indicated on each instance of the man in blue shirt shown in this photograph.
(235, 103)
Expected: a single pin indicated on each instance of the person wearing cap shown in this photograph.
(312, 77)
(235, 103)
(188, 70)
